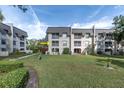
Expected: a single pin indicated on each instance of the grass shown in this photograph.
(76, 71)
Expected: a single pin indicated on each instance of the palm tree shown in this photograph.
(1, 17)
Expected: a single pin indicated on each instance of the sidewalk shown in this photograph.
(22, 57)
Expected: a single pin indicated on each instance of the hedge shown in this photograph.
(66, 51)
(14, 79)
(6, 66)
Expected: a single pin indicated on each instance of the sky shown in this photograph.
(38, 17)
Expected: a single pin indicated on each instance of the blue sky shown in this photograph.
(36, 20)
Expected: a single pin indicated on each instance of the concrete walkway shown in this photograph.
(22, 57)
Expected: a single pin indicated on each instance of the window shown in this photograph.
(64, 34)
(3, 49)
(22, 49)
(21, 44)
(55, 43)
(64, 43)
(100, 35)
(87, 35)
(22, 38)
(55, 35)
(108, 44)
(3, 32)
(3, 41)
(108, 36)
(14, 42)
(16, 34)
(77, 43)
(55, 49)
(77, 35)
(6, 30)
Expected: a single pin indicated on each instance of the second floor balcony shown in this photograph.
(108, 45)
(55, 43)
(77, 43)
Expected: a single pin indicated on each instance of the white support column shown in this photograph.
(50, 43)
(11, 38)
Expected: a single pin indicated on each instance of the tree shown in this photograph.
(119, 28)
(1, 17)
(21, 7)
(33, 45)
(118, 23)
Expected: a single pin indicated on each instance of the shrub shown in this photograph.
(66, 51)
(6, 66)
(14, 79)
(121, 52)
(99, 52)
(15, 53)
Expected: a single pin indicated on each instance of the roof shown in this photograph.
(59, 30)
(19, 32)
(6, 27)
(75, 30)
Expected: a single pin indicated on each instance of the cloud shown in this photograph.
(25, 21)
(35, 31)
(104, 22)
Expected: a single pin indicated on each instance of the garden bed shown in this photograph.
(13, 74)
(14, 79)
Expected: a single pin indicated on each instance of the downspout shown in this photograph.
(93, 40)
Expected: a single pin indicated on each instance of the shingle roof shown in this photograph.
(19, 32)
(4, 27)
(75, 30)
(60, 30)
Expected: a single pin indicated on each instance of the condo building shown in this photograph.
(80, 41)
(11, 39)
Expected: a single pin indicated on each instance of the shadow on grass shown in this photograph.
(119, 63)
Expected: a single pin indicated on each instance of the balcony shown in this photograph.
(77, 36)
(77, 43)
(55, 35)
(22, 44)
(109, 38)
(55, 43)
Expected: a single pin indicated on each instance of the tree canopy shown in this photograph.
(118, 23)
(1, 16)
(21, 7)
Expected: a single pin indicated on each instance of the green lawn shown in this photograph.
(77, 71)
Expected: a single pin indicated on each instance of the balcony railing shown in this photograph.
(77, 43)
(77, 37)
(55, 37)
(55, 44)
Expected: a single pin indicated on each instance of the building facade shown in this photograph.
(81, 41)
(11, 39)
